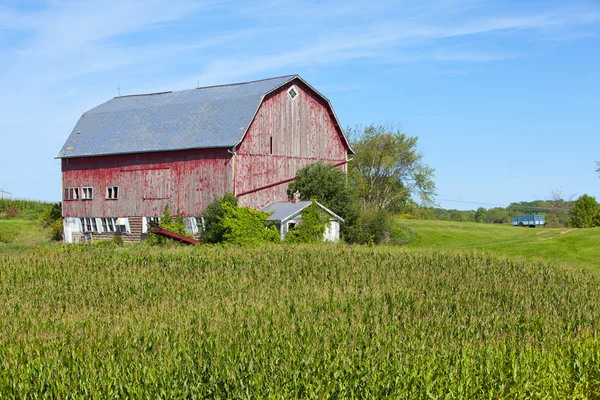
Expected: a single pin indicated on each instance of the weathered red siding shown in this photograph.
(284, 136)
(186, 180)
(303, 131)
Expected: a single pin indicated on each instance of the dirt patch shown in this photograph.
(559, 233)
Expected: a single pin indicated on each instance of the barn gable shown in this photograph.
(286, 135)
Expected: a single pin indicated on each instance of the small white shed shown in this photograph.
(286, 214)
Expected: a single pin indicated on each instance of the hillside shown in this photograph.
(579, 247)
(19, 233)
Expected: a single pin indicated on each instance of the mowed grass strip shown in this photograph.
(293, 322)
(577, 247)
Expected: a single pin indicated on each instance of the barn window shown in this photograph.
(112, 192)
(271, 145)
(87, 193)
(151, 221)
(292, 92)
(108, 225)
(89, 225)
(71, 193)
(200, 224)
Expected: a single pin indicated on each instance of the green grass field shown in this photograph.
(576, 247)
(21, 233)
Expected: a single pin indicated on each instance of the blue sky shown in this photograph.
(504, 96)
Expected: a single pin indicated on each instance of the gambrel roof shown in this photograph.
(209, 117)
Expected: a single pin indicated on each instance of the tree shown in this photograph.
(329, 186)
(388, 169)
(584, 212)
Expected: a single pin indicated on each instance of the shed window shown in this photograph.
(112, 192)
(89, 225)
(71, 193)
(293, 92)
(271, 145)
(87, 193)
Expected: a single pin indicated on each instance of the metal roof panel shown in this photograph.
(216, 116)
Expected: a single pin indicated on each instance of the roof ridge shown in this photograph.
(208, 87)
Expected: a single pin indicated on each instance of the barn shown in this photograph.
(128, 158)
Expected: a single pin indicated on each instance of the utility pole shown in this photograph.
(4, 191)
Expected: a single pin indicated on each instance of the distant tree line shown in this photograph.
(581, 213)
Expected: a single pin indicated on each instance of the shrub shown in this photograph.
(56, 230)
(214, 230)
(11, 212)
(244, 225)
(50, 214)
(168, 223)
(312, 227)
(372, 227)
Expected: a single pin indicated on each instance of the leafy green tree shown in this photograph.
(480, 214)
(584, 212)
(213, 229)
(388, 169)
(330, 187)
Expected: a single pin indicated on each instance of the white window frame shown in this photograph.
(295, 90)
(108, 225)
(87, 193)
(88, 225)
(112, 193)
(71, 193)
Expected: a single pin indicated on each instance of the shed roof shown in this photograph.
(285, 210)
(209, 117)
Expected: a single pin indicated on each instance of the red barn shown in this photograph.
(131, 156)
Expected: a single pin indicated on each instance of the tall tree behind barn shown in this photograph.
(128, 158)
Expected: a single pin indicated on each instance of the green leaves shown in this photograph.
(388, 169)
(585, 213)
(312, 227)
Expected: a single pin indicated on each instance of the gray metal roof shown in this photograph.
(209, 117)
(284, 210)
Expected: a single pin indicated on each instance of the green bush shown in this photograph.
(244, 225)
(168, 223)
(56, 230)
(311, 228)
(372, 227)
(213, 229)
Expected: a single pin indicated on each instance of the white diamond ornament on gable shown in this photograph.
(292, 92)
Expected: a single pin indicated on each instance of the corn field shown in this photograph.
(294, 322)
